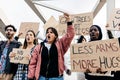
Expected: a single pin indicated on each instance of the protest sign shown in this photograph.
(107, 62)
(81, 22)
(90, 54)
(25, 26)
(2, 27)
(21, 56)
(51, 23)
(114, 21)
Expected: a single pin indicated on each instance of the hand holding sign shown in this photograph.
(67, 17)
(21, 56)
(20, 33)
(81, 22)
(12, 54)
(28, 57)
(88, 71)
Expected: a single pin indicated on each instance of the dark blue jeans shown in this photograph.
(55, 78)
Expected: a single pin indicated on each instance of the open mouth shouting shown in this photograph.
(28, 39)
(48, 36)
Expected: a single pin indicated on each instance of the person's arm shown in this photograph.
(109, 33)
(17, 37)
(33, 63)
(68, 37)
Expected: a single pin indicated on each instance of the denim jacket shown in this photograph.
(10, 68)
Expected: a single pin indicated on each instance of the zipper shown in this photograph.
(48, 64)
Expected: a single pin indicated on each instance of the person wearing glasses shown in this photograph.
(7, 69)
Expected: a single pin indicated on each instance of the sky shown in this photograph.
(18, 11)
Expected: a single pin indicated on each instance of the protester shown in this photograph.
(29, 43)
(115, 73)
(96, 34)
(7, 69)
(81, 75)
(47, 61)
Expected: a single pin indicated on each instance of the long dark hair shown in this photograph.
(25, 42)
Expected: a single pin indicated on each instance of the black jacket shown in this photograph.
(10, 68)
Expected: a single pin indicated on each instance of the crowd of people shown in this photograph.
(46, 59)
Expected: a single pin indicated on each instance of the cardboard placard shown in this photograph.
(51, 23)
(20, 56)
(81, 22)
(114, 21)
(90, 53)
(107, 62)
(25, 26)
(2, 27)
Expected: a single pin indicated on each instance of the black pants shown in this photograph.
(117, 75)
(93, 77)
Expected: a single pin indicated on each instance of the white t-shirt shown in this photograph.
(48, 46)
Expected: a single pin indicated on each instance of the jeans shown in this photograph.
(55, 78)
